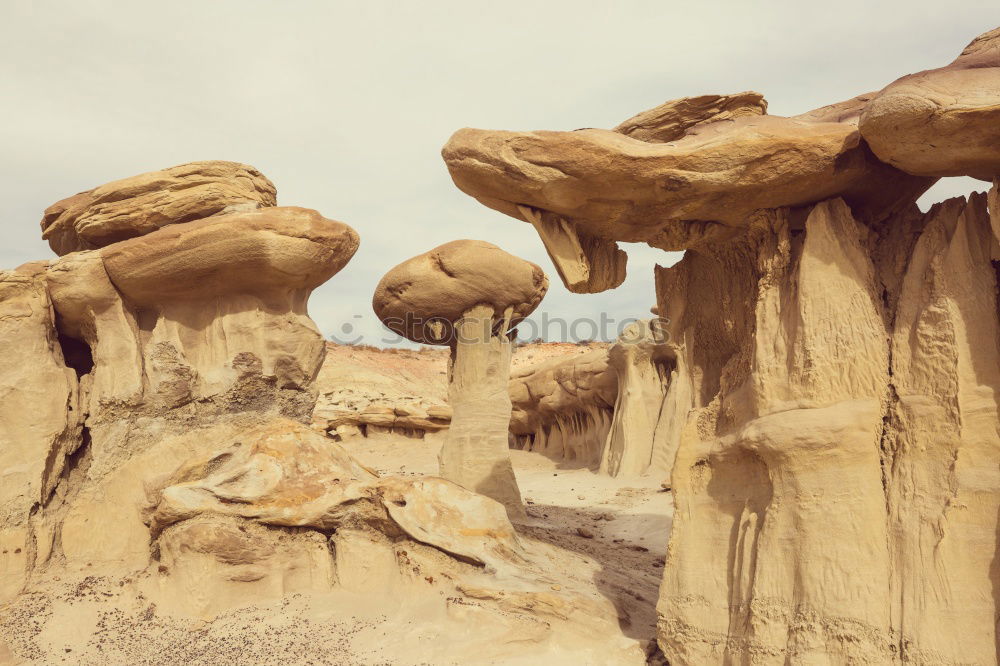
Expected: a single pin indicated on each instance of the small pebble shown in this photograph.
(585, 533)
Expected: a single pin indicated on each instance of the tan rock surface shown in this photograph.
(368, 391)
(563, 407)
(642, 360)
(40, 416)
(140, 204)
(469, 295)
(423, 297)
(257, 525)
(945, 121)
(476, 453)
(590, 188)
(363, 391)
(629, 520)
(672, 120)
(193, 310)
(832, 358)
(163, 508)
(850, 337)
(601, 409)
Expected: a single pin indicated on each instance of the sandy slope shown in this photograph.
(621, 524)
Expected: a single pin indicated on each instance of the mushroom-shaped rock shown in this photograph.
(587, 189)
(140, 204)
(945, 121)
(193, 310)
(270, 250)
(227, 295)
(469, 295)
(424, 297)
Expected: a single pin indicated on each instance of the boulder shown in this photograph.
(944, 121)
(140, 204)
(424, 297)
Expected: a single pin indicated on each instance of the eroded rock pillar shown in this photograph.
(475, 453)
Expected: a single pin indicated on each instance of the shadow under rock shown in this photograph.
(630, 570)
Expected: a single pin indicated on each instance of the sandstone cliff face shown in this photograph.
(40, 415)
(562, 407)
(865, 385)
(601, 409)
(833, 395)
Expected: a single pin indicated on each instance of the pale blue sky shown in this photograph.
(345, 105)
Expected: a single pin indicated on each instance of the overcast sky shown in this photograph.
(345, 105)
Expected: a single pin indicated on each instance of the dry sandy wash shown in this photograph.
(795, 462)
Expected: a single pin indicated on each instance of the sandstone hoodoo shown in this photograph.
(469, 295)
(202, 321)
(154, 452)
(795, 462)
(833, 354)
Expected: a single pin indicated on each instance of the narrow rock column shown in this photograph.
(641, 389)
(475, 453)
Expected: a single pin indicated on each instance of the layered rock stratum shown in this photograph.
(832, 351)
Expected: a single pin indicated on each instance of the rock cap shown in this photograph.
(423, 297)
(138, 205)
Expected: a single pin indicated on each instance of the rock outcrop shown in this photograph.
(586, 190)
(195, 322)
(384, 392)
(563, 407)
(40, 415)
(600, 409)
(833, 390)
(158, 470)
(945, 121)
(140, 204)
(469, 295)
(642, 361)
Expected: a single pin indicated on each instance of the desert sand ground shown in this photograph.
(618, 528)
(622, 524)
